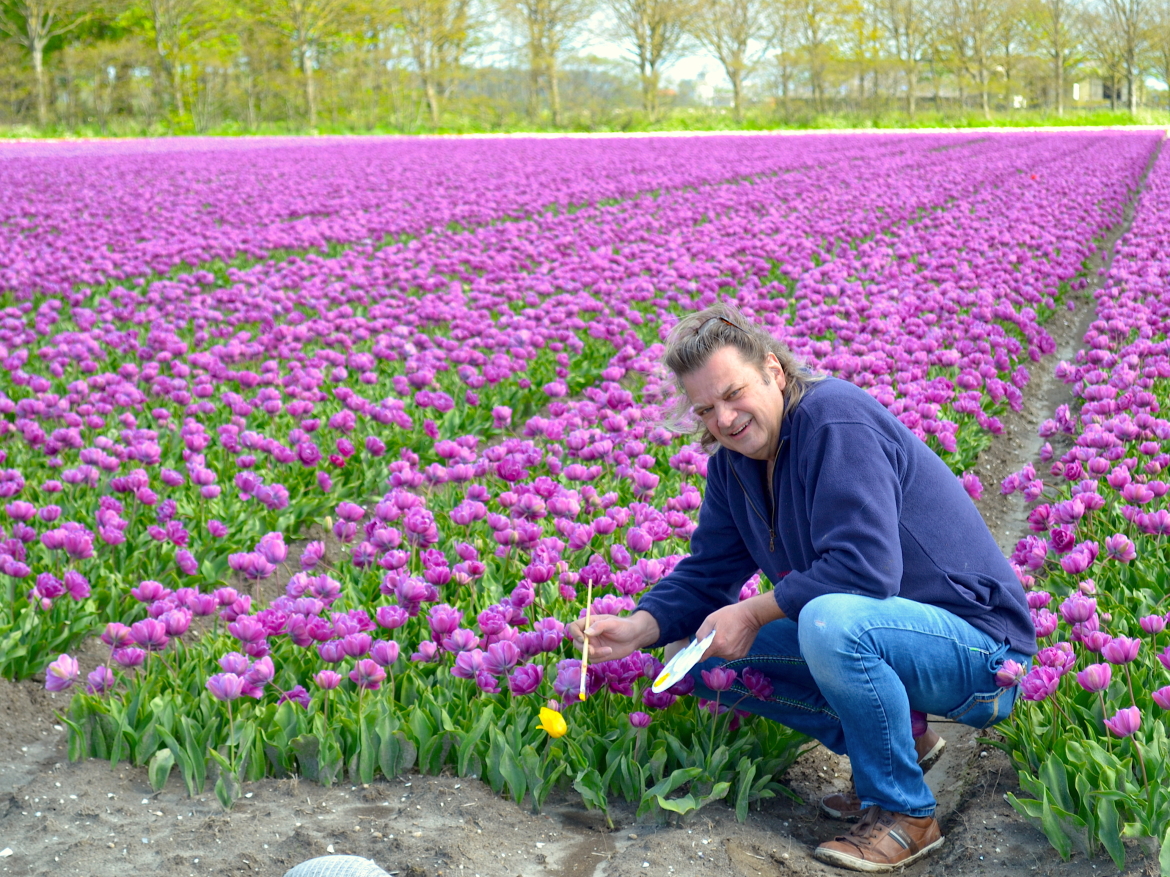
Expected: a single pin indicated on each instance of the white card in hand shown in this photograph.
(680, 665)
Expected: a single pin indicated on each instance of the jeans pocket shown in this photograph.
(985, 709)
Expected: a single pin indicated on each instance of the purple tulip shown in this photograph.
(77, 585)
(1120, 547)
(500, 658)
(116, 635)
(1095, 677)
(443, 619)
(272, 548)
(1162, 697)
(1153, 624)
(1059, 656)
(758, 683)
(1125, 723)
(367, 674)
(327, 680)
(640, 719)
(1121, 650)
(1095, 640)
(1039, 683)
(150, 634)
(719, 678)
(525, 679)
(1045, 622)
(260, 673)
(62, 673)
(355, 645)
(128, 657)
(225, 686)
(176, 621)
(384, 652)
(298, 694)
(1010, 673)
(235, 663)
(99, 681)
(331, 652)
(150, 591)
(460, 640)
(1078, 608)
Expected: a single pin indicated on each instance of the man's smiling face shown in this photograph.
(740, 407)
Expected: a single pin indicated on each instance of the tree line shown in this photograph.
(256, 65)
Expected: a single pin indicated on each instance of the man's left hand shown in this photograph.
(736, 626)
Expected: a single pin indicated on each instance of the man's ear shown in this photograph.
(776, 370)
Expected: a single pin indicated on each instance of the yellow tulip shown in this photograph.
(552, 723)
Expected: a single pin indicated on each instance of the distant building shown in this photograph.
(1097, 91)
(704, 91)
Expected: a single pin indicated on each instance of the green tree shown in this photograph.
(32, 24)
(655, 33)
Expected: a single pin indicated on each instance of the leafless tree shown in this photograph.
(1055, 26)
(1128, 19)
(1010, 38)
(736, 32)
(1105, 49)
(785, 29)
(973, 35)
(907, 24)
(655, 33)
(438, 33)
(861, 39)
(32, 23)
(548, 28)
(1160, 43)
(816, 25)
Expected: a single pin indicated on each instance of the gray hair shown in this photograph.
(696, 337)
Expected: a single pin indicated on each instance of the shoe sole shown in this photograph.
(842, 860)
(845, 815)
(929, 760)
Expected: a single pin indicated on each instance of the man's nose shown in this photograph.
(724, 416)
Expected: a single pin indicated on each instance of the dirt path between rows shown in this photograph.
(58, 817)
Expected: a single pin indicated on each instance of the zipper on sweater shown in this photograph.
(748, 497)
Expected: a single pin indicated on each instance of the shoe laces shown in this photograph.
(874, 820)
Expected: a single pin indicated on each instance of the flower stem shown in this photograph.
(1142, 762)
(1129, 681)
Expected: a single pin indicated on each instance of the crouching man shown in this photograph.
(891, 601)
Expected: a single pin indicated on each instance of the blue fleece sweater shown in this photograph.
(862, 506)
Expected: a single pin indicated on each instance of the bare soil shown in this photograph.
(58, 817)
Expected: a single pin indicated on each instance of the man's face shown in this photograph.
(740, 407)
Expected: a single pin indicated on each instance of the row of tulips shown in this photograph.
(1090, 743)
(461, 437)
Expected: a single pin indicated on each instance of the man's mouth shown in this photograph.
(738, 432)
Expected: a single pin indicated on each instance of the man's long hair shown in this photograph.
(698, 336)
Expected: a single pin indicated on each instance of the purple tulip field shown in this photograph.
(329, 440)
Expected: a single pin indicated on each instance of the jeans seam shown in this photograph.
(886, 724)
(938, 635)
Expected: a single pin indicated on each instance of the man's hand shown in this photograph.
(612, 637)
(736, 626)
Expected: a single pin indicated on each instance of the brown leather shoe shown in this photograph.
(882, 841)
(847, 806)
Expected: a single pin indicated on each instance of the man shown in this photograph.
(891, 597)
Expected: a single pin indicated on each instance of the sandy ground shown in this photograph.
(58, 817)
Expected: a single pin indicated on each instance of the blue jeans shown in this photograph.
(852, 670)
